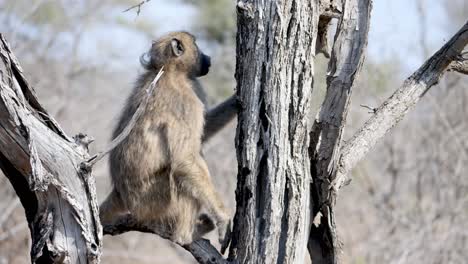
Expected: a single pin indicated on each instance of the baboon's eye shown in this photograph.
(177, 47)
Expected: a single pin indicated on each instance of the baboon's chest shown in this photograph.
(189, 114)
(177, 116)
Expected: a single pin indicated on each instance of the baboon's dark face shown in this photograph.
(205, 63)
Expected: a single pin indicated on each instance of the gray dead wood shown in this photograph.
(344, 66)
(275, 55)
(397, 106)
(44, 166)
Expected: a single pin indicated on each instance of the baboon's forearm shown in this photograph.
(217, 117)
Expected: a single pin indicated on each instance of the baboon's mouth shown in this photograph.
(205, 65)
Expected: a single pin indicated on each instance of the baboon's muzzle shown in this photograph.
(205, 64)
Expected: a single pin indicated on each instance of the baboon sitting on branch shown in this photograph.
(158, 173)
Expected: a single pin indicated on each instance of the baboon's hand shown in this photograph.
(224, 232)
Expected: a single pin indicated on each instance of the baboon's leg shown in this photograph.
(111, 208)
(181, 221)
(186, 224)
(217, 117)
(195, 180)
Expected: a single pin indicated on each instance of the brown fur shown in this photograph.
(158, 172)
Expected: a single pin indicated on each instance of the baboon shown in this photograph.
(158, 173)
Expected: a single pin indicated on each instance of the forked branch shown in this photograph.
(392, 111)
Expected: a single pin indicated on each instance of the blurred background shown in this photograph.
(408, 201)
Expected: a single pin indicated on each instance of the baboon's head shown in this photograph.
(177, 51)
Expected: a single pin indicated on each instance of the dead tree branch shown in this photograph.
(392, 111)
(201, 250)
(43, 165)
(344, 67)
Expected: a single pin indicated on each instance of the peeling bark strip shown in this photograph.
(344, 66)
(397, 106)
(275, 54)
(43, 165)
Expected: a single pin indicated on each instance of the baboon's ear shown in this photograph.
(177, 48)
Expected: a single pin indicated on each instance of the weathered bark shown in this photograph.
(344, 67)
(44, 166)
(275, 54)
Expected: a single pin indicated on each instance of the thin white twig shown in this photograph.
(126, 131)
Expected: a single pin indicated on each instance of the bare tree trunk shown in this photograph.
(276, 47)
(326, 137)
(45, 168)
(275, 55)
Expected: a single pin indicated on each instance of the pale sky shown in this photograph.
(394, 30)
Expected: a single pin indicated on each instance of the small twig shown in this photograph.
(372, 110)
(126, 131)
(137, 6)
